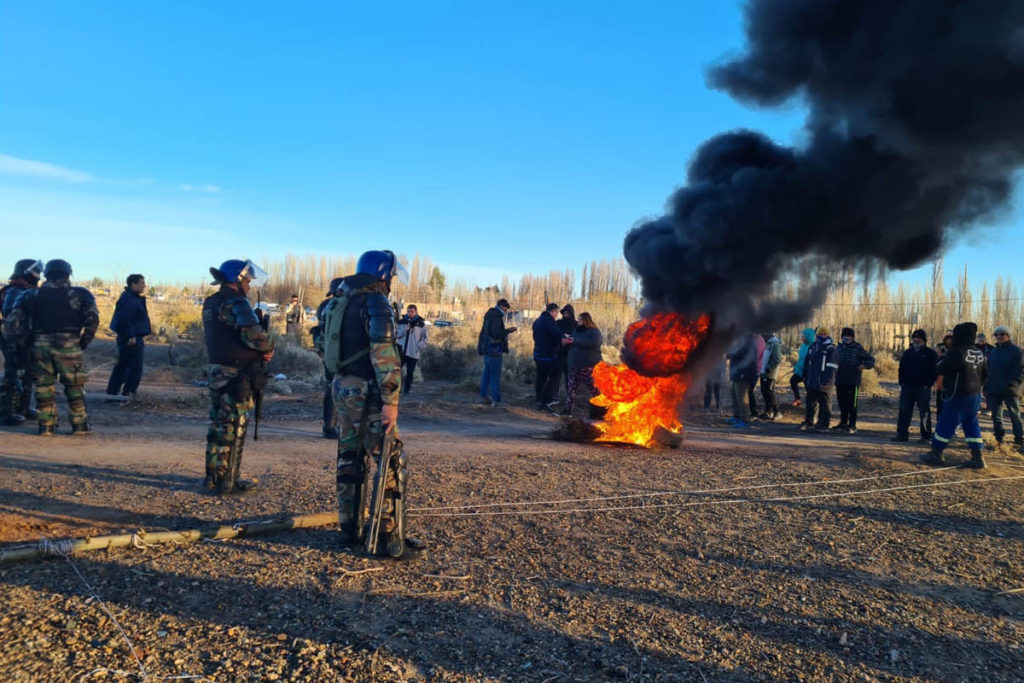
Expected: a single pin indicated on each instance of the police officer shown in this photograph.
(237, 347)
(56, 322)
(366, 392)
(16, 390)
(330, 425)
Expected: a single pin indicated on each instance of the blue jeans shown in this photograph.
(490, 381)
(959, 411)
(127, 372)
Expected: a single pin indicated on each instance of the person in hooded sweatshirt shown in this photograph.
(1002, 389)
(917, 375)
(797, 378)
(820, 374)
(567, 324)
(853, 359)
(770, 362)
(963, 374)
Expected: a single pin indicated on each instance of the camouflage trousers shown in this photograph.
(54, 359)
(16, 389)
(360, 431)
(230, 403)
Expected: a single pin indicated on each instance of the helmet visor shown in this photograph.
(35, 270)
(254, 273)
(401, 273)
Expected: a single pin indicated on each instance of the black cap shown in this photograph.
(503, 303)
(919, 334)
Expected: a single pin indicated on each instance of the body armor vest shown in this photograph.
(54, 312)
(223, 342)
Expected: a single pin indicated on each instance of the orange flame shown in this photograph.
(637, 404)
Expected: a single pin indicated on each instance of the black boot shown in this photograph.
(209, 484)
(46, 430)
(976, 462)
(934, 457)
(899, 438)
(14, 420)
(81, 429)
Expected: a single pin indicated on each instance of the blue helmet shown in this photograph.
(383, 265)
(57, 269)
(236, 270)
(28, 268)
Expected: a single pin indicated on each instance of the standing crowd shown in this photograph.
(962, 370)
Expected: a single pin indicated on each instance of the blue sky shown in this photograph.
(166, 137)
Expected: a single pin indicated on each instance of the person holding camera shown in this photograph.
(412, 339)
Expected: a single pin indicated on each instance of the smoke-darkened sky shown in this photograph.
(912, 138)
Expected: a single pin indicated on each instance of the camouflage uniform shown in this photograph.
(360, 389)
(235, 344)
(57, 322)
(16, 389)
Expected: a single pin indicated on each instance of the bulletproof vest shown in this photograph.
(354, 337)
(223, 342)
(53, 311)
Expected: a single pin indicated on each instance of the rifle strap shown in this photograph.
(353, 358)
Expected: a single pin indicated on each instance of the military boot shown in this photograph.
(81, 429)
(14, 420)
(47, 430)
(209, 485)
(934, 457)
(976, 462)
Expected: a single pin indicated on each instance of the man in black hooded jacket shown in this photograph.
(963, 373)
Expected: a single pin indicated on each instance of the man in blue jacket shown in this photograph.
(131, 325)
(742, 356)
(917, 376)
(820, 375)
(548, 340)
(1005, 377)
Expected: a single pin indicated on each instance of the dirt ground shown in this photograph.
(757, 554)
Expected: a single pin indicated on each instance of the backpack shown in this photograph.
(334, 315)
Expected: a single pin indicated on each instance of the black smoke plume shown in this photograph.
(914, 132)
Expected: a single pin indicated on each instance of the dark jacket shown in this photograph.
(566, 326)
(131, 319)
(547, 338)
(585, 350)
(493, 337)
(918, 367)
(849, 358)
(743, 360)
(821, 365)
(963, 366)
(1005, 370)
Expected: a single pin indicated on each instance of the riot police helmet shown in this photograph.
(236, 270)
(57, 269)
(28, 268)
(383, 265)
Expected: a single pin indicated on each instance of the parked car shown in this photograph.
(443, 323)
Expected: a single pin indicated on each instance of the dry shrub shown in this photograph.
(870, 384)
(450, 354)
(295, 362)
(886, 366)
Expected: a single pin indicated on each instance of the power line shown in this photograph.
(955, 302)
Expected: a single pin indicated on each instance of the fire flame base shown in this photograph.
(638, 405)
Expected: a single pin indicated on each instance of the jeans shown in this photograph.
(410, 370)
(822, 401)
(771, 407)
(996, 402)
(715, 389)
(959, 411)
(910, 397)
(490, 380)
(847, 396)
(740, 390)
(546, 385)
(127, 372)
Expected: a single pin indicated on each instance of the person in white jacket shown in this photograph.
(412, 339)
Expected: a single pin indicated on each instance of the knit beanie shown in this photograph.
(847, 332)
